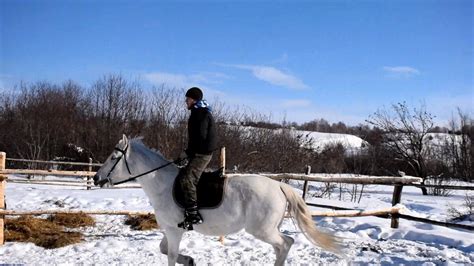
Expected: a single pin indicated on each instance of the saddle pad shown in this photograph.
(210, 190)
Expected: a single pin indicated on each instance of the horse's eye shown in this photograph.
(114, 157)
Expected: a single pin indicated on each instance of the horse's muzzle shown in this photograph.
(99, 182)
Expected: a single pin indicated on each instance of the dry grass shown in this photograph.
(72, 220)
(41, 232)
(142, 222)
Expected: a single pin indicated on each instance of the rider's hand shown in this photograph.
(182, 160)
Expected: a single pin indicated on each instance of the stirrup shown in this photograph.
(191, 217)
(186, 225)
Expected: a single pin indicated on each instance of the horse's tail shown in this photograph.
(299, 211)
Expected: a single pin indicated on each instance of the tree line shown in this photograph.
(67, 121)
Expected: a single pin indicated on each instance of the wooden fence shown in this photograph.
(2, 196)
(393, 212)
(86, 174)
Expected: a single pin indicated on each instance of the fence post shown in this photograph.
(222, 165)
(222, 160)
(88, 177)
(397, 195)
(3, 157)
(305, 186)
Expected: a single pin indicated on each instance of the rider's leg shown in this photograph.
(189, 181)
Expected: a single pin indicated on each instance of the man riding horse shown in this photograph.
(202, 141)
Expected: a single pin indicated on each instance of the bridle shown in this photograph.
(124, 156)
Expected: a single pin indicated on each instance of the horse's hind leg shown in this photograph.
(288, 243)
(182, 259)
(280, 242)
(164, 245)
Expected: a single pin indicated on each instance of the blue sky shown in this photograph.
(303, 60)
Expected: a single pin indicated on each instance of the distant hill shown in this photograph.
(317, 141)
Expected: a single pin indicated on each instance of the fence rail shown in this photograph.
(444, 187)
(55, 162)
(91, 212)
(366, 180)
(52, 183)
(84, 184)
(47, 172)
(400, 214)
(345, 213)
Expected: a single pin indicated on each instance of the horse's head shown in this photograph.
(115, 168)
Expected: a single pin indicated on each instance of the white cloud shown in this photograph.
(208, 77)
(178, 80)
(298, 103)
(273, 76)
(203, 80)
(169, 79)
(401, 71)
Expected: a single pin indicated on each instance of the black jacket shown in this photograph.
(201, 132)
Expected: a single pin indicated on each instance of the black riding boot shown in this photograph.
(191, 216)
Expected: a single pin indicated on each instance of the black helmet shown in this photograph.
(194, 93)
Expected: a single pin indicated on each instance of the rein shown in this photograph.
(124, 151)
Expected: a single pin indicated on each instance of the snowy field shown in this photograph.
(368, 240)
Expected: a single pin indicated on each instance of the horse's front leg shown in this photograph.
(170, 246)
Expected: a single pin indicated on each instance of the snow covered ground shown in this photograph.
(368, 240)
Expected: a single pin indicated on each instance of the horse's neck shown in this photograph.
(157, 182)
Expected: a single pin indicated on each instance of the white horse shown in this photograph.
(251, 202)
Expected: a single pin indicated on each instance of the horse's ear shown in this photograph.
(124, 139)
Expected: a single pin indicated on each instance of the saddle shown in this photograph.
(210, 190)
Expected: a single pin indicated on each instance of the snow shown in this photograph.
(317, 141)
(367, 240)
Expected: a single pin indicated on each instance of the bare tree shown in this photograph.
(405, 135)
(113, 106)
(45, 120)
(166, 125)
(458, 147)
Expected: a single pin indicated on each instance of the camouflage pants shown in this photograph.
(189, 177)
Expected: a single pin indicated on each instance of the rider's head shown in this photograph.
(193, 95)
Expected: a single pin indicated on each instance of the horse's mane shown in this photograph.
(139, 141)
